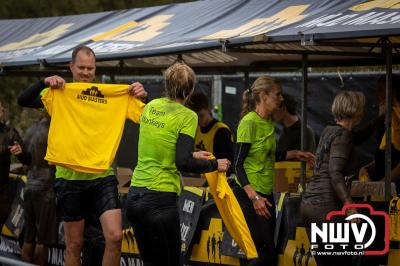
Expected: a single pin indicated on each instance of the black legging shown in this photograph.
(261, 229)
(155, 220)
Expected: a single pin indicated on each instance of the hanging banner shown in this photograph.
(189, 206)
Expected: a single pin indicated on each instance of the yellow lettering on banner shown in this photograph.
(391, 4)
(285, 17)
(38, 39)
(136, 31)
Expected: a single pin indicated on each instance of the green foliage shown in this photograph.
(11, 9)
(18, 117)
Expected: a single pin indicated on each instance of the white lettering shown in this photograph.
(359, 246)
(17, 216)
(188, 206)
(184, 231)
(56, 256)
(382, 20)
(336, 21)
(319, 20)
(359, 235)
(363, 19)
(329, 246)
(234, 244)
(135, 262)
(340, 235)
(9, 246)
(323, 234)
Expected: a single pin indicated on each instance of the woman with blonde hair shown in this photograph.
(166, 142)
(327, 190)
(255, 157)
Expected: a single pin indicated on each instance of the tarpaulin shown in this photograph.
(151, 37)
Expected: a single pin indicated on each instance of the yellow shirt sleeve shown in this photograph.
(135, 109)
(47, 99)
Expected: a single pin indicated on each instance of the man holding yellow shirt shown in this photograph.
(73, 188)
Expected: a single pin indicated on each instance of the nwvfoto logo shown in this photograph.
(349, 235)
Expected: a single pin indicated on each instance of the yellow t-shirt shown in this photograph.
(231, 212)
(87, 121)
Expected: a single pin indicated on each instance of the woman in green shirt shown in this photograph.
(254, 164)
(166, 142)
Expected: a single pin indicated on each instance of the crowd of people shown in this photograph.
(179, 134)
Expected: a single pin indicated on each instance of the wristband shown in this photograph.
(256, 198)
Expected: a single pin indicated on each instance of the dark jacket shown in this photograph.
(7, 137)
(333, 166)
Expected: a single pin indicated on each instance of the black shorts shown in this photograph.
(40, 222)
(77, 199)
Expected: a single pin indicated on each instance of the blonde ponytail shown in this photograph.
(252, 96)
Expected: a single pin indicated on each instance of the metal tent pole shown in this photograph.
(388, 117)
(246, 80)
(304, 91)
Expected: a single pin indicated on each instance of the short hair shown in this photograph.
(348, 104)
(395, 84)
(198, 101)
(290, 103)
(180, 80)
(83, 48)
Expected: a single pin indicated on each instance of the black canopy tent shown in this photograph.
(214, 36)
(211, 35)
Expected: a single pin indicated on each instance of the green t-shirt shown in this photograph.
(161, 122)
(260, 162)
(69, 174)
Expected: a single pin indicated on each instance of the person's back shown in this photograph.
(166, 142)
(40, 220)
(10, 144)
(40, 173)
(161, 122)
(334, 142)
(327, 190)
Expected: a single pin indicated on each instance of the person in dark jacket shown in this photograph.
(10, 144)
(40, 219)
(327, 190)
